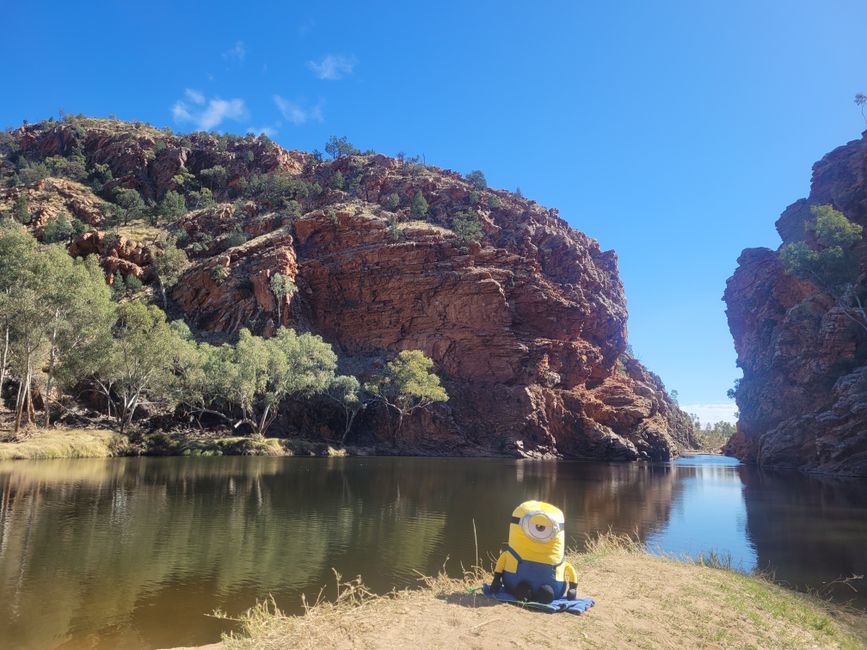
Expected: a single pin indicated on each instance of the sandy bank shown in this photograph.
(643, 601)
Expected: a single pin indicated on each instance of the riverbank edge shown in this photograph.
(641, 600)
(59, 443)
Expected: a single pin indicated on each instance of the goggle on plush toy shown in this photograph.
(533, 567)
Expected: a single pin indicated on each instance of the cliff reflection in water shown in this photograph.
(135, 552)
(123, 552)
(808, 531)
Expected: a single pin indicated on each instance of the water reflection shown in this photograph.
(708, 513)
(808, 531)
(133, 552)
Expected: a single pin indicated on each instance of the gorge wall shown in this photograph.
(526, 323)
(803, 396)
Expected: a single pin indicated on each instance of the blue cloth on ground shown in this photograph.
(578, 606)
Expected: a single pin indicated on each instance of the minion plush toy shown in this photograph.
(533, 568)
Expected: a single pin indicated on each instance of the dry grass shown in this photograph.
(46, 444)
(423, 225)
(642, 601)
(140, 230)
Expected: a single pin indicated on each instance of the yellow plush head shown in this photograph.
(537, 532)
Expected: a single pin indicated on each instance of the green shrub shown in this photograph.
(467, 226)
(831, 262)
(393, 229)
(292, 212)
(73, 168)
(133, 283)
(220, 274)
(477, 179)
(172, 206)
(58, 229)
(337, 181)
(21, 210)
(392, 201)
(199, 199)
(419, 206)
(118, 286)
(215, 177)
(235, 238)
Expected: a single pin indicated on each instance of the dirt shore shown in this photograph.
(642, 601)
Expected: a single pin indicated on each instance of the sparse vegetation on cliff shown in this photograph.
(798, 319)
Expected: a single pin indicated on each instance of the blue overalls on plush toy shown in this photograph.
(533, 569)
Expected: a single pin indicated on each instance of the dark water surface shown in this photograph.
(130, 553)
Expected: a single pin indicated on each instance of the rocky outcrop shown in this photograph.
(533, 366)
(118, 254)
(526, 322)
(50, 197)
(803, 396)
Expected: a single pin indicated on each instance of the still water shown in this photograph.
(134, 552)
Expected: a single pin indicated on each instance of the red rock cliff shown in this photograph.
(527, 326)
(803, 397)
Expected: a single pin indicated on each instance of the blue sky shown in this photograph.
(673, 132)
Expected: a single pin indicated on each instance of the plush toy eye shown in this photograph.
(539, 527)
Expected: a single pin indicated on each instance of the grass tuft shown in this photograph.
(49, 444)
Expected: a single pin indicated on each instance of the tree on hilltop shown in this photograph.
(477, 179)
(339, 147)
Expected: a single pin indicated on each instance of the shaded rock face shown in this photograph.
(527, 326)
(803, 397)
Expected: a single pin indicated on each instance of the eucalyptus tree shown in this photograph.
(406, 384)
(254, 376)
(283, 288)
(347, 392)
(169, 264)
(80, 313)
(55, 315)
(17, 248)
(143, 361)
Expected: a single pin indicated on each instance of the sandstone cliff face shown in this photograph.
(527, 326)
(803, 397)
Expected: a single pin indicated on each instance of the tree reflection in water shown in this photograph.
(128, 552)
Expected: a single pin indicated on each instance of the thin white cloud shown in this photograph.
(713, 413)
(236, 53)
(332, 67)
(297, 113)
(207, 114)
(194, 96)
(180, 112)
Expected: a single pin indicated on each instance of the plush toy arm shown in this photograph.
(571, 577)
(497, 582)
